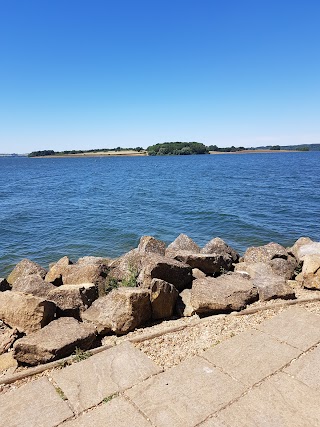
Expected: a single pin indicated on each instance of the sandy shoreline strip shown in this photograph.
(132, 153)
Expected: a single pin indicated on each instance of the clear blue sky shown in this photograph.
(101, 73)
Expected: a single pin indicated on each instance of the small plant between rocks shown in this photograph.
(80, 355)
(112, 396)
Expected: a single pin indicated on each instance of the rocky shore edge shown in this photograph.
(74, 307)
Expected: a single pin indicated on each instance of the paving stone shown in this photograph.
(280, 401)
(184, 395)
(116, 413)
(251, 356)
(87, 383)
(306, 369)
(36, 404)
(295, 326)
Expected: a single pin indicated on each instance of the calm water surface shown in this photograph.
(102, 206)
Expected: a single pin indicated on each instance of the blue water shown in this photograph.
(102, 206)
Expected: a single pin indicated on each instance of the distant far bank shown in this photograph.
(174, 148)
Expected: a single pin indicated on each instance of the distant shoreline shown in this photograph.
(254, 152)
(131, 153)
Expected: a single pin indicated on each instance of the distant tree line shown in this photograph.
(177, 148)
(66, 152)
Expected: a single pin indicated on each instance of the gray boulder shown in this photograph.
(218, 246)
(265, 253)
(54, 274)
(26, 268)
(182, 243)
(121, 311)
(26, 313)
(172, 271)
(163, 298)
(59, 339)
(124, 267)
(223, 294)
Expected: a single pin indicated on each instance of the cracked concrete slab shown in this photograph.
(295, 326)
(87, 383)
(116, 413)
(280, 401)
(307, 369)
(184, 395)
(35, 404)
(251, 356)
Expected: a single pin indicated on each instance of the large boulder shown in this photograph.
(26, 268)
(304, 246)
(54, 274)
(59, 339)
(7, 338)
(126, 266)
(121, 311)
(172, 271)
(87, 271)
(311, 264)
(150, 245)
(71, 300)
(210, 264)
(163, 298)
(33, 285)
(312, 281)
(218, 246)
(25, 312)
(223, 294)
(276, 256)
(265, 253)
(182, 243)
(4, 285)
(269, 285)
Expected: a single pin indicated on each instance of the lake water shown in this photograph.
(102, 206)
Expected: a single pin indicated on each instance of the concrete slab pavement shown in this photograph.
(87, 383)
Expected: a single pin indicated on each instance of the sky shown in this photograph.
(80, 74)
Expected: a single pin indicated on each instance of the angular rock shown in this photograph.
(218, 246)
(71, 300)
(87, 271)
(121, 311)
(311, 264)
(198, 274)
(94, 260)
(127, 265)
(273, 287)
(4, 285)
(33, 285)
(182, 243)
(54, 274)
(284, 267)
(26, 268)
(265, 253)
(58, 339)
(302, 241)
(305, 246)
(163, 298)
(172, 271)
(7, 362)
(149, 244)
(210, 264)
(7, 338)
(25, 312)
(184, 307)
(312, 281)
(225, 293)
